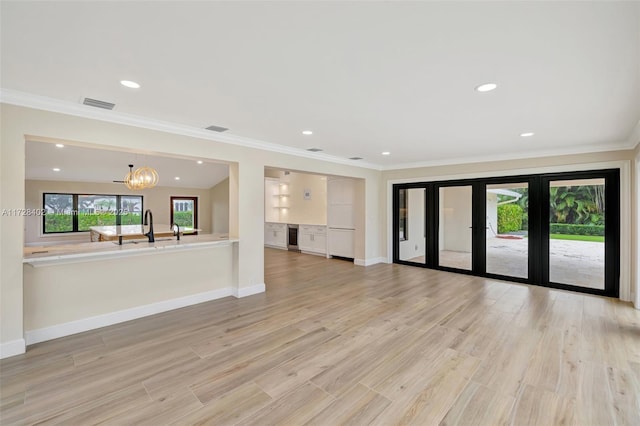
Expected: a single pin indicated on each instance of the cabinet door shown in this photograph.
(340, 191)
(341, 216)
(280, 238)
(340, 203)
(341, 243)
(319, 243)
(305, 241)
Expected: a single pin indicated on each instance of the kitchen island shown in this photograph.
(73, 288)
(72, 253)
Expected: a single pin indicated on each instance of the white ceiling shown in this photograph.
(366, 77)
(82, 164)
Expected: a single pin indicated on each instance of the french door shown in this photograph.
(557, 230)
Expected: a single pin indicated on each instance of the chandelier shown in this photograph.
(142, 178)
(147, 176)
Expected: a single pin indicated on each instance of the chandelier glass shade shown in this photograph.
(147, 176)
(142, 178)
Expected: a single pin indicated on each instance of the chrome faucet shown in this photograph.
(176, 230)
(148, 220)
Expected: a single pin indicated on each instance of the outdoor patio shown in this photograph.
(579, 263)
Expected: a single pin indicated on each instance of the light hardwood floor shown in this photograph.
(332, 343)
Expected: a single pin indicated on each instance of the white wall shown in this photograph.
(414, 245)
(157, 199)
(220, 208)
(300, 210)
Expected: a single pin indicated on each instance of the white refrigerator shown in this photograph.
(340, 217)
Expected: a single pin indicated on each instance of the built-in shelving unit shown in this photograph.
(272, 200)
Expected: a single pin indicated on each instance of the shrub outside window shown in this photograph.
(79, 212)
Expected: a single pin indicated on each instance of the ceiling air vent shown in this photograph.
(98, 104)
(217, 129)
(314, 149)
(355, 158)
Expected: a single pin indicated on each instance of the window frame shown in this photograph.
(75, 210)
(195, 209)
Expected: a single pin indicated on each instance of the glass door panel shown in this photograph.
(455, 226)
(412, 220)
(577, 232)
(507, 243)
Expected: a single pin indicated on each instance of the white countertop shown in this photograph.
(299, 224)
(83, 252)
(127, 230)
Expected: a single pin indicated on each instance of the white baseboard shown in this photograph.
(369, 262)
(249, 291)
(276, 247)
(12, 348)
(314, 253)
(91, 323)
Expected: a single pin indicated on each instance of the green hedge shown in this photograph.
(56, 222)
(183, 218)
(509, 218)
(570, 229)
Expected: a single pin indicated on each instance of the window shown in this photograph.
(184, 212)
(79, 212)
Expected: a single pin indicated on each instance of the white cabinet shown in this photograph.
(340, 203)
(341, 243)
(312, 239)
(275, 235)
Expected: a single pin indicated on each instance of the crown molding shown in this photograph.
(23, 99)
(619, 146)
(634, 137)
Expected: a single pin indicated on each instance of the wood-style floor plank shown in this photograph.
(331, 343)
(479, 405)
(537, 406)
(358, 406)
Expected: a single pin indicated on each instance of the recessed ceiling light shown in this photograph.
(386, 153)
(307, 132)
(355, 158)
(130, 84)
(486, 87)
(59, 145)
(314, 149)
(55, 169)
(527, 134)
(200, 161)
(177, 178)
